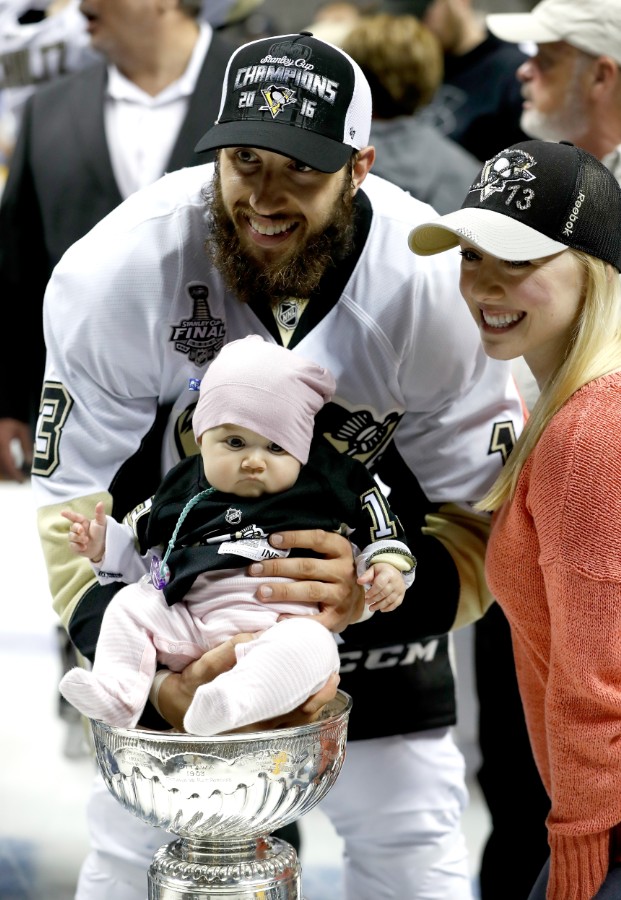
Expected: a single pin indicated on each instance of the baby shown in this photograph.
(258, 472)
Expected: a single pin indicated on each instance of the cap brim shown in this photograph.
(308, 147)
(491, 232)
(520, 28)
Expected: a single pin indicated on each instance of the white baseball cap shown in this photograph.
(590, 25)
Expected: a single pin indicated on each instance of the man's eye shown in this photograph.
(544, 62)
(302, 167)
(245, 156)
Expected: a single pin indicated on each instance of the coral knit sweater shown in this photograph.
(554, 565)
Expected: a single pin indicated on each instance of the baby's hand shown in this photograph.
(387, 587)
(87, 537)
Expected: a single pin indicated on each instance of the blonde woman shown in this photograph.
(540, 240)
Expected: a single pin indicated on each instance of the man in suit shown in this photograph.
(86, 141)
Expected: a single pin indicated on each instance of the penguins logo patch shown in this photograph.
(505, 169)
(277, 97)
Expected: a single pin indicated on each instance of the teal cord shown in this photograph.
(160, 573)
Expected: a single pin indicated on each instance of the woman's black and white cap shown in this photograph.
(532, 200)
(295, 95)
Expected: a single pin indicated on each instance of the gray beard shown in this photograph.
(568, 122)
(296, 276)
(543, 127)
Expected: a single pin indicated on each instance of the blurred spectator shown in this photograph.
(479, 102)
(40, 40)
(36, 45)
(402, 61)
(571, 87)
(333, 21)
(245, 20)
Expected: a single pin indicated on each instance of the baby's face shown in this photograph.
(242, 462)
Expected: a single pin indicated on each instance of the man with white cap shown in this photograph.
(289, 236)
(572, 85)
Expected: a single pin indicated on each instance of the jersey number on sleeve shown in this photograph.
(53, 411)
(503, 439)
(383, 526)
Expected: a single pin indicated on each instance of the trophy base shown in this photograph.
(265, 869)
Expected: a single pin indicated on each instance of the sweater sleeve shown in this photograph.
(583, 729)
(575, 500)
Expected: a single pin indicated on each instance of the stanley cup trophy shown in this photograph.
(222, 797)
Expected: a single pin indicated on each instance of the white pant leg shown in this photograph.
(122, 847)
(397, 804)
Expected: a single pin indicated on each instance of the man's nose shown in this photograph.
(525, 71)
(267, 197)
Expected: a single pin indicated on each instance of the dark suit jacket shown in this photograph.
(60, 184)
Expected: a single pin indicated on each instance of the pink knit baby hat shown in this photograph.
(266, 388)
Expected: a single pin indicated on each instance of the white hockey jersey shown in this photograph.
(135, 311)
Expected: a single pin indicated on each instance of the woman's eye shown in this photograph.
(469, 255)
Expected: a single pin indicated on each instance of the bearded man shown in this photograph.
(290, 237)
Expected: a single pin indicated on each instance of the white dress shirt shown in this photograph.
(141, 130)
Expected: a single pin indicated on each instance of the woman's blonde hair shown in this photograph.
(594, 350)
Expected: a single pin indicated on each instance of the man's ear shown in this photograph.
(362, 165)
(606, 73)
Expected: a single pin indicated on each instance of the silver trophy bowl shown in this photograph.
(222, 797)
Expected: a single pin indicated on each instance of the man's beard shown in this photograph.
(299, 274)
(545, 126)
(568, 122)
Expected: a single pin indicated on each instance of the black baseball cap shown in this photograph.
(532, 200)
(295, 95)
